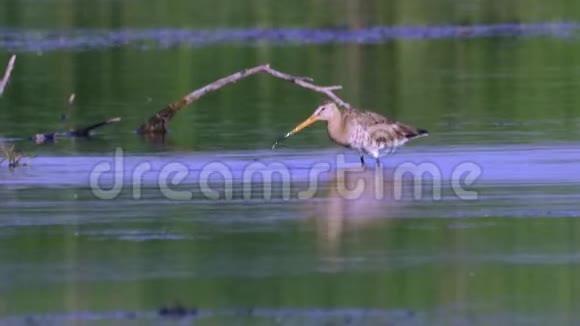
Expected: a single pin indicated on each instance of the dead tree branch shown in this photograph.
(158, 122)
(84, 132)
(7, 74)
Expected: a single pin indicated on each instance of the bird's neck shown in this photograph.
(336, 129)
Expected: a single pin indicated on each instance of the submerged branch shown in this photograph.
(84, 132)
(7, 74)
(158, 122)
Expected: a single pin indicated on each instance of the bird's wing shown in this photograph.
(382, 129)
(368, 118)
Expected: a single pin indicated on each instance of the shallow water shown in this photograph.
(499, 99)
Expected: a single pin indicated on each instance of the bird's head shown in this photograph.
(324, 112)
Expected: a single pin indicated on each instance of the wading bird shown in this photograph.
(363, 131)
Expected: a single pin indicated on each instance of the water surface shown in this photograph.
(496, 86)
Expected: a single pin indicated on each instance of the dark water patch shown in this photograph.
(18, 40)
(177, 311)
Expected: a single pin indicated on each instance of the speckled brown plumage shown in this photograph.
(364, 131)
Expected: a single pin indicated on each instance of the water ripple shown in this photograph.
(23, 40)
(315, 316)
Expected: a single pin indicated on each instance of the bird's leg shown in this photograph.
(362, 160)
(378, 162)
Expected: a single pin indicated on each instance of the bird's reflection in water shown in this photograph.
(154, 138)
(353, 199)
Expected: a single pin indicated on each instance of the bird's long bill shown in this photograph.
(306, 123)
(312, 119)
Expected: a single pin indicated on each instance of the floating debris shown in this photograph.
(65, 116)
(71, 99)
(176, 311)
(7, 74)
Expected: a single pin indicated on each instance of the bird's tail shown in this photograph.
(418, 133)
(422, 132)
